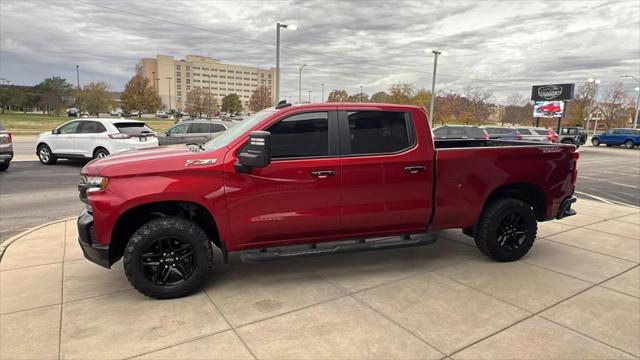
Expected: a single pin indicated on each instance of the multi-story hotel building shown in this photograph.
(173, 79)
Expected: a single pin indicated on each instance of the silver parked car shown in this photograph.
(193, 132)
(6, 148)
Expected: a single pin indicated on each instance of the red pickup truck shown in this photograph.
(290, 179)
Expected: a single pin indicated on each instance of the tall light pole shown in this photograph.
(635, 118)
(322, 93)
(433, 83)
(78, 75)
(169, 78)
(154, 80)
(278, 26)
(309, 96)
(300, 84)
(361, 93)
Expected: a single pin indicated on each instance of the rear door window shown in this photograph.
(199, 128)
(476, 132)
(217, 128)
(523, 131)
(378, 132)
(133, 128)
(541, 131)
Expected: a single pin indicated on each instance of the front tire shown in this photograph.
(168, 257)
(4, 165)
(45, 155)
(595, 142)
(506, 230)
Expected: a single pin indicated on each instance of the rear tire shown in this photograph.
(4, 165)
(628, 144)
(168, 257)
(595, 142)
(99, 153)
(45, 155)
(506, 230)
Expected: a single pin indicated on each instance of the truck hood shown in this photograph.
(147, 161)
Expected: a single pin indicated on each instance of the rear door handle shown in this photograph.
(323, 174)
(414, 169)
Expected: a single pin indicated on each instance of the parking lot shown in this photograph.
(36, 193)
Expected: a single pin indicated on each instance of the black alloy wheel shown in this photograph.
(168, 261)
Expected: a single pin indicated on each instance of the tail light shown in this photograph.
(119, 136)
(552, 136)
(7, 136)
(573, 166)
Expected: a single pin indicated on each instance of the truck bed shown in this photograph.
(478, 143)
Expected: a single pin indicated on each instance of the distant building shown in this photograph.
(173, 79)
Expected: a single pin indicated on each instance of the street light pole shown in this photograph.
(154, 80)
(433, 84)
(322, 93)
(278, 26)
(78, 75)
(635, 118)
(300, 84)
(169, 78)
(361, 93)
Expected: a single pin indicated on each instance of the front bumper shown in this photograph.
(565, 208)
(94, 252)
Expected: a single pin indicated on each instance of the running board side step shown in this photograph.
(345, 247)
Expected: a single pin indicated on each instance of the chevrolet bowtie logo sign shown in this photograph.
(550, 92)
(200, 162)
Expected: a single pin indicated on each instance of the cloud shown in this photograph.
(503, 46)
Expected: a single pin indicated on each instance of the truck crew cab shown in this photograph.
(312, 174)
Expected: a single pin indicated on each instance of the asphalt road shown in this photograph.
(32, 193)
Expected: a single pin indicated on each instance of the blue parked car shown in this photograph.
(616, 137)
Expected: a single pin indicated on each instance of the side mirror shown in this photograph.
(55, 131)
(257, 154)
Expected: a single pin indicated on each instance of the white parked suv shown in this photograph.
(93, 138)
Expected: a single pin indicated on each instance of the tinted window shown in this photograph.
(198, 128)
(524, 131)
(377, 132)
(90, 127)
(440, 131)
(217, 128)
(69, 128)
(541, 131)
(498, 131)
(456, 132)
(300, 135)
(133, 128)
(617, 131)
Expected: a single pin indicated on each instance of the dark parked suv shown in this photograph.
(460, 132)
(6, 148)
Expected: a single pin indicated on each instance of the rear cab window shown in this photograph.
(377, 132)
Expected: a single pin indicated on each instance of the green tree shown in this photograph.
(231, 104)
(401, 93)
(54, 94)
(23, 98)
(421, 98)
(200, 102)
(358, 98)
(260, 99)
(5, 97)
(139, 95)
(380, 97)
(338, 96)
(94, 98)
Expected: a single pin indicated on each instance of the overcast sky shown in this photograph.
(503, 46)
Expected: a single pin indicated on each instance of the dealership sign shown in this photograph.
(555, 92)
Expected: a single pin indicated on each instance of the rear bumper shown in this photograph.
(565, 208)
(94, 252)
(6, 155)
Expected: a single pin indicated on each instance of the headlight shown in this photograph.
(95, 183)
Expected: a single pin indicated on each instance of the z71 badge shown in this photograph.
(200, 162)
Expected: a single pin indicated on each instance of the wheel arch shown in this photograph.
(130, 220)
(98, 147)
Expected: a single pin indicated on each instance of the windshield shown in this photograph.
(233, 132)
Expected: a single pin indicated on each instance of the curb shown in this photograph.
(5, 244)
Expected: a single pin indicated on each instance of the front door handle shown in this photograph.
(414, 169)
(323, 174)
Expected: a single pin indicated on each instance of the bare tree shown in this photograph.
(260, 99)
(200, 102)
(401, 93)
(513, 111)
(478, 103)
(583, 103)
(612, 106)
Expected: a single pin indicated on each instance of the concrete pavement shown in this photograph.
(575, 295)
